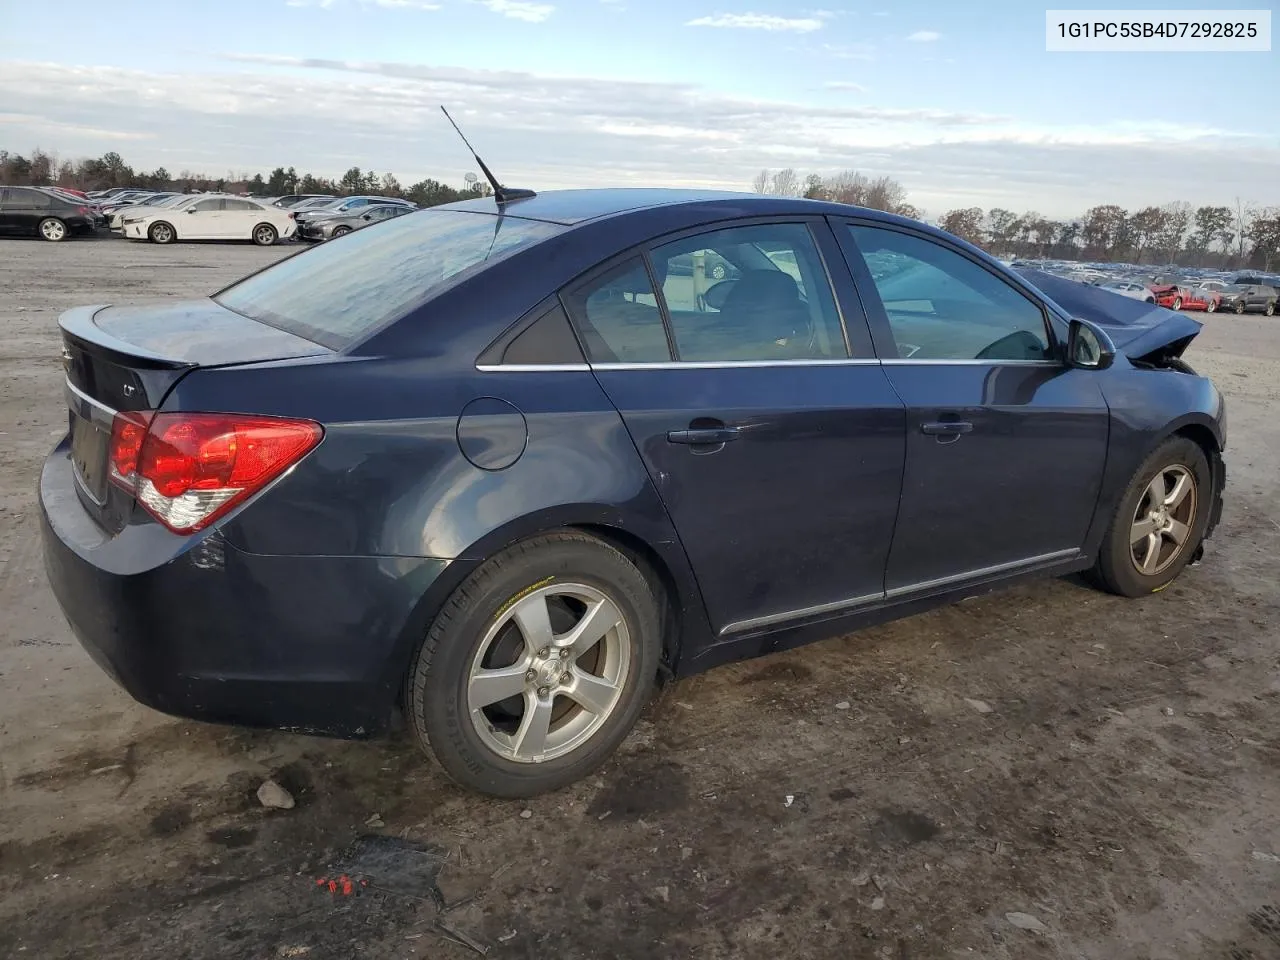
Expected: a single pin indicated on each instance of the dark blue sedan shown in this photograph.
(498, 467)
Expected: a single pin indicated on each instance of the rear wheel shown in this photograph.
(53, 229)
(1271, 309)
(1177, 303)
(340, 232)
(161, 232)
(1159, 522)
(1211, 306)
(264, 235)
(537, 667)
(1239, 307)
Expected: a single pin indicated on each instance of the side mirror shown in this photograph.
(367, 216)
(1088, 346)
(192, 210)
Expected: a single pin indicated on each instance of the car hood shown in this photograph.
(1138, 329)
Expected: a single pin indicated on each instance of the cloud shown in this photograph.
(519, 9)
(925, 36)
(407, 4)
(759, 21)
(258, 112)
(848, 51)
(848, 85)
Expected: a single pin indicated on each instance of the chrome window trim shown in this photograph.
(731, 364)
(533, 367)
(907, 361)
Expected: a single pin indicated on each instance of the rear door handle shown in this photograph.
(701, 435)
(947, 428)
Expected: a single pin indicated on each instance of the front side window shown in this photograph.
(617, 316)
(756, 292)
(944, 306)
(335, 293)
(209, 206)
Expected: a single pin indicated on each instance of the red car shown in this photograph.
(1177, 297)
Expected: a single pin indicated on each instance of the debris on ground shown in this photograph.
(790, 799)
(1025, 921)
(877, 903)
(1168, 711)
(843, 705)
(1265, 857)
(861, 879)
(509, 935)
(526, 814)
(980, 705)
(458, 936)
(275, 797)
(375, 821)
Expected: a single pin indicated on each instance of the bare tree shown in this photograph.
(761, 182)
(785, 183)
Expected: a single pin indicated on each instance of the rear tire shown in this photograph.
(1239, 307)
(1125, 563)
(1210, 307)
(339, 232)
(264, 235)
(487, 634)
(1271, 309)
(1177, 303)
(52, 229)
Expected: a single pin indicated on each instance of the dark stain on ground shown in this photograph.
(231, 838)
(643, 790)
(783, 671)
(171, 819)
(840, 794)
(903, 826)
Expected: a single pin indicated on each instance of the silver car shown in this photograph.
(328, 228)
(1126, 288)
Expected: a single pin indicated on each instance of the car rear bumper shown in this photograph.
(197, 628)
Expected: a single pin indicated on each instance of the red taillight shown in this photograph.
(83, 211)
(188, 469)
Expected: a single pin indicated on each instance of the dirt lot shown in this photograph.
(1108, 768)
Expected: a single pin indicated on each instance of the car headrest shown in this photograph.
(763, 289)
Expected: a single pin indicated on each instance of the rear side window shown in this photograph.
(336, 293)
(751, 293)
(618, 318)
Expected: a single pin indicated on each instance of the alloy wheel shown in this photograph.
(549, 672)
(1163, 520)
(264, 236)
(54, 230)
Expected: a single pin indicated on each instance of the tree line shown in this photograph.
(1172, 234)
(42, 168)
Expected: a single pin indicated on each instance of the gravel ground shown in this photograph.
(1045, 772)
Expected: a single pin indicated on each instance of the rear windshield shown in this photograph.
(342, 290)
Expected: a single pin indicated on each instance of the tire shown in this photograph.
(264, 235)
(1271, 309)
(1239, 308)
(1210, 306)
(161, 232)
(1177, 303)
(565, 575)
(339, 232)
(52, 229)
(1121, 567)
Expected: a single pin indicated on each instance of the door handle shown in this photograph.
(703, 435)
(947, 428)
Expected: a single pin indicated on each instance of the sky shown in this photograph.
(957, 100)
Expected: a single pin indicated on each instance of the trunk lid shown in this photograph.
(121, 359)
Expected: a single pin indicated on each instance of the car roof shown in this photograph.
(569, 207)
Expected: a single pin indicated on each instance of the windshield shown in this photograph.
(336, 293)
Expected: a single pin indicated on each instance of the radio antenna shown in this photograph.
(500, 193)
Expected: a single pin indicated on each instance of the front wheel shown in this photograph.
(264, 235)
(1271, 309)
(340, 232)
(537, 667)
(1210, 307)
(53, 229)
(1177, 303)
(1159, 522)
(1239, 307)
(161, 232)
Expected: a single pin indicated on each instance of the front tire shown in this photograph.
(1210, 307)
(52, 229)
(161, 232)
(1160, 521)
(339, 232)
(537, 667)
(264, 235)
(1239, 308)
(1177, 303)
(1271, 309)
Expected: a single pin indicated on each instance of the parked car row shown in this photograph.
(1174, 288)
(55, 213)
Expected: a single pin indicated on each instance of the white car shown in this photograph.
(115, 215)
(211, 218)
(1127, 288)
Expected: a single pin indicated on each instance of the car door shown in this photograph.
(203, 220)
(7, 220)
(21, 212)
(1005, 443)
(766, 424)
